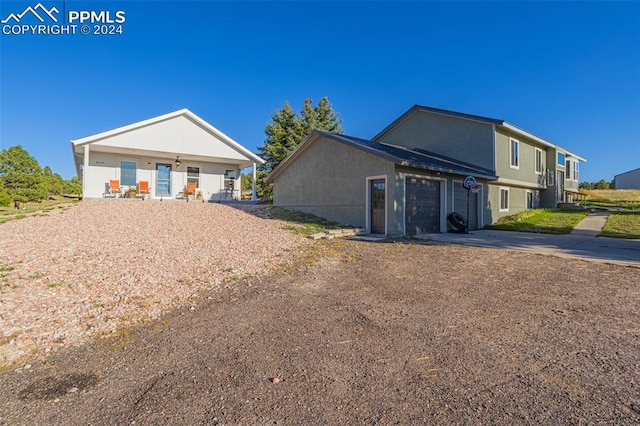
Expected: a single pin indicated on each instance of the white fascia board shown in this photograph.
(223, 136)
(109, 133)
(540, 140)
(527, 134)
(183, 112)
(577, 157)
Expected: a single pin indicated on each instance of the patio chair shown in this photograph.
(190, 190)
(143, 189)
(114, 188)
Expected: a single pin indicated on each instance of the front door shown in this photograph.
(560, 187)
(163, 180)
(377, 206)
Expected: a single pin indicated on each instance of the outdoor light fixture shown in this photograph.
(148, 163)
(177, 161)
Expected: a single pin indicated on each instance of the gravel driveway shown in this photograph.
(90, 268)
(365, 333)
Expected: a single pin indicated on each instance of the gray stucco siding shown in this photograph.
(328, 179)
(465, 140)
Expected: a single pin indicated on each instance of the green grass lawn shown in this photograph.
(622, 225)
(549, 221)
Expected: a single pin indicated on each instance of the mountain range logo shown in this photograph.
(43, 11)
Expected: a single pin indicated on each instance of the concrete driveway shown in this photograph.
(578, 246)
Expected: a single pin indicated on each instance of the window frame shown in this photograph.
(504, 208)
(538, 165)
(576, 170)
(135, 173)
(514, 143)
(564, 158)
(530, 196)
(193, 178)
(567, 170)
(228, 181)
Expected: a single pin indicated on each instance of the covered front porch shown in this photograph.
(176, 156)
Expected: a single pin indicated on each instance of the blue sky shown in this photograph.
(568, 72)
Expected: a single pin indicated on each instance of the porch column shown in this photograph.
(253, 185)
(85, 168)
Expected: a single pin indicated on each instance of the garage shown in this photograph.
(422, 206)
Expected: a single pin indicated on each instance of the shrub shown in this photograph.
(5, 199)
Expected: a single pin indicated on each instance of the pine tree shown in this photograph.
(21, 175)
(326, 118)
(287, 129)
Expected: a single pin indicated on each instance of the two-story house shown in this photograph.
(409, 178)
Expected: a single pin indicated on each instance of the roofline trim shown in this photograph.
(182, 112)
(471, 117)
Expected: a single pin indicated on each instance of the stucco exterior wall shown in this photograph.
(465, 140)
(517, 201)
(106, 166)
(525, 172)
(328, 179)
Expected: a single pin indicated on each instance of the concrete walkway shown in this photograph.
(580, 244)
(591, 225)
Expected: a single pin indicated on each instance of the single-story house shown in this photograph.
(408, 179)
(628, 180)
(166, 153)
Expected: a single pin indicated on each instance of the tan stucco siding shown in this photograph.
(526, 168)
(328, 179)
(465, 140)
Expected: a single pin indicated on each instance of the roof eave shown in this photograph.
(526, 134)
(182, 112)
(448, 113)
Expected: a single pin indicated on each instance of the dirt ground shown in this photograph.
(363, 333)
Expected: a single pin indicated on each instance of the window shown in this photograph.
(576, 172)
(561, 159)
(515, 154)
(128, 173)
(229, 178)
(193, 176)
(550, 175)
(538, 161)
(568, 170)
(530, 200)
(504, 199)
